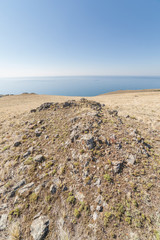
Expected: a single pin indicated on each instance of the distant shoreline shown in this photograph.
(130, 91)
(108, 93)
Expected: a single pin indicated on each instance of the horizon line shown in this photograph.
(49, 76)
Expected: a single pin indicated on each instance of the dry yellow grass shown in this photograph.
(145, 106)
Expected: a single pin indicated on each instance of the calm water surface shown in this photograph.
(76, 86)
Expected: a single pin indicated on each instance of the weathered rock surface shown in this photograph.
(40, 228)
(3, 221)
(39, 158)
(16, 144)
(26, 188)
(131, 159)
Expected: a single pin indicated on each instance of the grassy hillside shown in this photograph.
(77, 170)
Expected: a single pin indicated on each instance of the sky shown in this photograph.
(79, 37)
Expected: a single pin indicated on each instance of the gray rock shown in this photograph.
(38, 132)
(56, 182)
(19, 184)
(68, 142)
(99, 208)
(45, 106)
(2, 190)
(27, 154)
(131, 159)
(16, 144)
(80, 196)
(117, 166)
(99, 199)
(26, 188)
(74, 135)
(38, 215)
(31, 149)
(95, 216)
(39, 228)
(11, 194)
(98, 182)
(3, 221)
(113, 112)
(53, 189)
(33, 110)
(38, 188)
(85, 173)
(65, 188)
(3, 206)
(86, 164)
(39, 158)
(89, 140)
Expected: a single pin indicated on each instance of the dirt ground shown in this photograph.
(145, 106)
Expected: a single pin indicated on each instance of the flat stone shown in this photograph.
(39, 228)
(39, 158)
(19, 184)
(3, 221)
(3, 206)
(26, 188)
(98, 182)
(131, 159)
(95, 216)
(27, 154)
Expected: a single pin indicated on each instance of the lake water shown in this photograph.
(76, 86)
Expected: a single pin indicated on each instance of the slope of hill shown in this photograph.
(78, 170)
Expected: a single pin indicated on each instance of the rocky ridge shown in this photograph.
(77, 170)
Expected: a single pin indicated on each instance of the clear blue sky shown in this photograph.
(79, 37)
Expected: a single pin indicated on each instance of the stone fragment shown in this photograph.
(39, 228)
(74, 135)
(19, 184)
(80, 196)
(131, 159)
(98, 182)
(99, 208)
(117, 166)
(16, 144)
(53, 189)
(89, 141)
(45, 106)
(38, 215)
(3, 221)
(27, 154)
(33, 110)
(26, 188)
(38, 132)
(3, 206)
(95, 216)
(113, 112)
(39, 158)
(38, 188)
